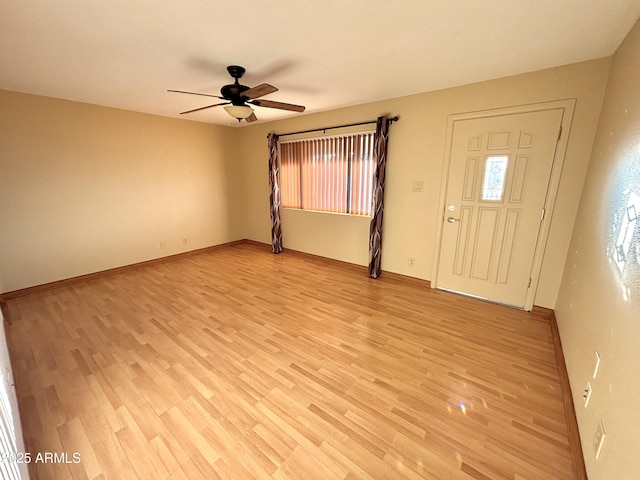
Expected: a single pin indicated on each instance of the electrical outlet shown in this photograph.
(417, 186)
(412, 262)
(587, 395)
(595, 369)
(598, 440)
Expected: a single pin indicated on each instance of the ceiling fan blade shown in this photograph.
(259, 91)
(251, 118)
(278, 105)
(194, 93)
(204, 108)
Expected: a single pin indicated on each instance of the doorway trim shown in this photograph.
(568, 107)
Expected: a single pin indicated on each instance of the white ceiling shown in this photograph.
(322, 54)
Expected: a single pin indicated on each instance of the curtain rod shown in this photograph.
(391, 120)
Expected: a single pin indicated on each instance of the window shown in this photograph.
(494, 177)
(329, 174)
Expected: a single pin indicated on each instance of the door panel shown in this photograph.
(499, 171)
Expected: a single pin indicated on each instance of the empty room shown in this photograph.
(319, 240)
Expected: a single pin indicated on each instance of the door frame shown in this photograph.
(568, 107)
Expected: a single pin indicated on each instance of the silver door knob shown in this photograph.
(453, 220)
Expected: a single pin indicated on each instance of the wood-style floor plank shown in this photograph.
(240, 364)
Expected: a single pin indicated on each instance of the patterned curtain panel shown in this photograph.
(375, 229)
(274, 186)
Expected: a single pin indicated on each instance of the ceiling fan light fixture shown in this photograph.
(239, 111)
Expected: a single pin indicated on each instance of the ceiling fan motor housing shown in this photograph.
(233, 93)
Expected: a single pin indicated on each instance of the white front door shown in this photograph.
(499, 175)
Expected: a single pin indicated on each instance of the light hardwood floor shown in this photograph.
(240, 364)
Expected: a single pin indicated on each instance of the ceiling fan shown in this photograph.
(239, 98)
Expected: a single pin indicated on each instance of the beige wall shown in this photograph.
(598, 307)
(416, 152)
(86, 188)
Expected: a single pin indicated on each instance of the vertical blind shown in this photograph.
(329, 174)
